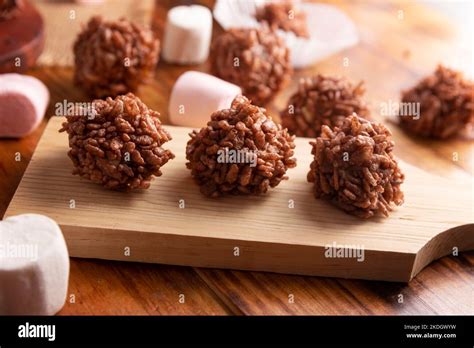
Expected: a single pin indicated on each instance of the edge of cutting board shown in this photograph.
(261, 256)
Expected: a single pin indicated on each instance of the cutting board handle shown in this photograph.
(450, 242)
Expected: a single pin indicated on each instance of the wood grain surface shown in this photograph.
(173, 223)
(393, 54)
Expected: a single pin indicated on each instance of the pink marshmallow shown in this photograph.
(23, 102)
(195, 96)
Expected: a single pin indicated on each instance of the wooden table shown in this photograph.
(400, 43)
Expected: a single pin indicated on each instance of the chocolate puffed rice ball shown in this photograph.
(114, 57)
(256, 59)
(446, 105)
(322, 100)
(355, 169)
(241, 151)
(283, 15)
(120, 145)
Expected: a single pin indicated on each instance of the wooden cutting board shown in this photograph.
(172, 223)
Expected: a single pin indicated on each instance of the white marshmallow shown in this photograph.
(34, 266)
(195, 96)
(23, 102)
(187, 35)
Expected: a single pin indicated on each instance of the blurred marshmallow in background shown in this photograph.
(34, 266)
(187, 35)
(195, 96)
(23, 102)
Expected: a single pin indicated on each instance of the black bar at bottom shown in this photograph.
(136, 330)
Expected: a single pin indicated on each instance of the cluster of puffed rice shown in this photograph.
(322, 100)
(257, 60)
(114, 57)
(446, 102)
(354, 168)
(277, 15)
(121, 146)
(248, 129)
